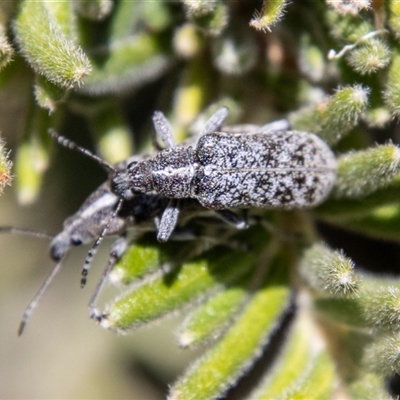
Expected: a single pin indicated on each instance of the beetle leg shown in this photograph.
(92, 252)
(117, 250)
(232, 219)
(215, 122)
(168, 220)
(276, 126)
(163, 129)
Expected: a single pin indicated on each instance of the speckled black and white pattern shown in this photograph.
(288, 169)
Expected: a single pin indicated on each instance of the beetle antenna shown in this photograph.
(69, 144)
(34, 302)
(92, 252)
(118, 248)
(26, 232)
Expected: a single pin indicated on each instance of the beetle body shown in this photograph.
(109, 212)
(229, 167)
(284, 169)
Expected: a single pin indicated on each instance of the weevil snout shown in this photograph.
(136, 179)
(59, 246)
(119, 185)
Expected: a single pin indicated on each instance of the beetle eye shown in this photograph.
(76, 241)
(131, 164)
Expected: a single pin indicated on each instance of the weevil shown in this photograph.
(101, 214)
(104, 213)
(139, 190)
(232, 169)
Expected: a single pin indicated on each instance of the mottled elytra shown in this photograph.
(266, 168)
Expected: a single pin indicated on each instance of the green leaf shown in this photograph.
(344, 209)
(355, 170)
(335, 116)
(382, 223)
(295, 358)
(369, 387)
(212, 317)
(146, 257)
(220, 367)
(47, 94)
(394, 17)
(62, 13)
(46, 47)
(191, 95)
(370, 57)
(184, 285)
(6, 49)
(381, 307)
(344, 311)
(319, 383)
(271, 13)
(392, 90)
(383, 355)
(329, 271)
(377, 306)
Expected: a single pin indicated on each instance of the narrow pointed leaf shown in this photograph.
(47, 49)
(213, 316)
(382, 308)
(291, 363)
(344, 311)
(190, 282)
(145, 258)
(343, 209)
(320, 382)
(6, 49)
(47, 94)
(369, 387)
(335, 116)
(355, 170)
(329, 271)
(392, 90)
(221, 366)
(383, 356)
(381, 223)
(270, 14)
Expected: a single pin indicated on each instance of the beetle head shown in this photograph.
(135, 179)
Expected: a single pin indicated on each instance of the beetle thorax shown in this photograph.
(172, 172)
